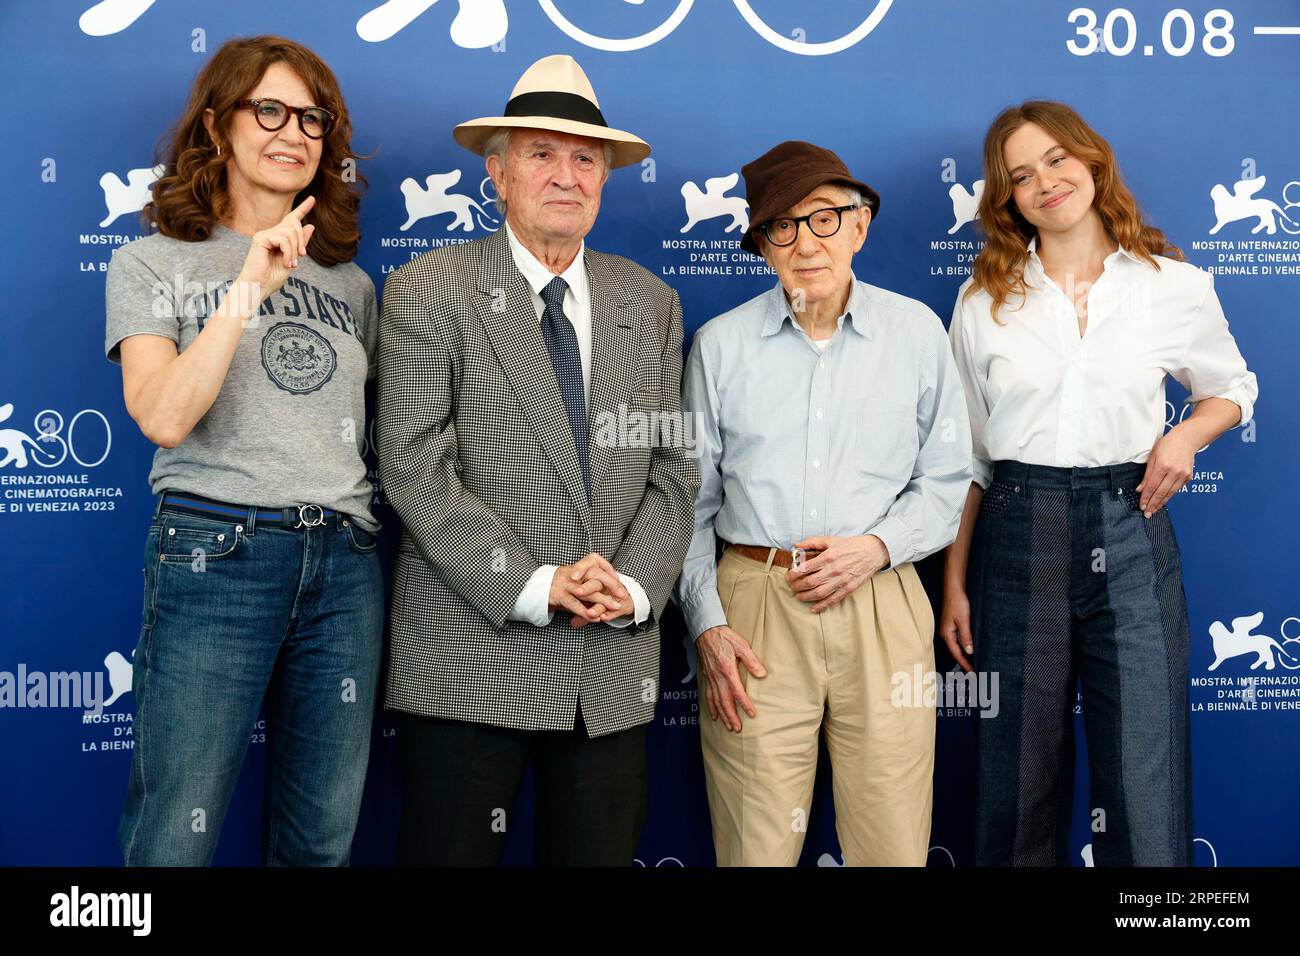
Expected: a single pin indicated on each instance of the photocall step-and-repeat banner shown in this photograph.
(1199, 99)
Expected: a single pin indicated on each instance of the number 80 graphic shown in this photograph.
(49, 425)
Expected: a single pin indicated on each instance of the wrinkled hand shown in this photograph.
(1169, 467)
(842, 567)
(718, 649)
(954, 627)
(591, 590)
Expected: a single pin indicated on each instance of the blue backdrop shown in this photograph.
(1200, 102)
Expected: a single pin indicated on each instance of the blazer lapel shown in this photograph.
(612, 332)
(505, 306)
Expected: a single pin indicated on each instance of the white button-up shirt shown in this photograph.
(532, 605)
(1041, 393)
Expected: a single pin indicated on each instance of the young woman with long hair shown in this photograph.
(1065, 568)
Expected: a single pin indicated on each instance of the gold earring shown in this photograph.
(218, 149)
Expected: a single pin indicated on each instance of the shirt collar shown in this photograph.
(1129, 255)
(538, 276)
(1038, 263)
(777, 311)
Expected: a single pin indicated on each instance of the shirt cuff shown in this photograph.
(531, 606)
(640, 604)
(702, 610)
(897, 539)
(982, 472)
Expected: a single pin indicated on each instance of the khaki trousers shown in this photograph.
(828, 672)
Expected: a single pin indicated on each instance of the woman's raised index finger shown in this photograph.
(303, 208)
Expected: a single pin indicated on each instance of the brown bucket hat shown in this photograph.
(785, 174)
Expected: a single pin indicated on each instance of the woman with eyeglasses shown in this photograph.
(246, 335)
(1077, 313)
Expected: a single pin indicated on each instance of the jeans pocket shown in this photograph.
(998, 497)
(1132, 498)
(197, 540)
(150, 569)
(361, 540)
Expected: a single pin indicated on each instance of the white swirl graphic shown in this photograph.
(617, 46)
(825, 48)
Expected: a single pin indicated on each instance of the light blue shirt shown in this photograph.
(870, 436)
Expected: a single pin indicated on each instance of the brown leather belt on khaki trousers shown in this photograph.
(782, 559)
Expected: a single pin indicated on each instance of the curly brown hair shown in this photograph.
(1000, 267)
(191, 195)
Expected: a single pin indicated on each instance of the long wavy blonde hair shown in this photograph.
(1000, 267)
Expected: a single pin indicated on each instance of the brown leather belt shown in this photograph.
(783, 559)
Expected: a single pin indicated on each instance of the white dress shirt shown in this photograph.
(1040, 393)
(577, 298)
(532, 605)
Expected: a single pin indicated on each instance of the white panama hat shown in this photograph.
(554, 93)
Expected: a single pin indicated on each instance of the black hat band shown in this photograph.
(567, 106)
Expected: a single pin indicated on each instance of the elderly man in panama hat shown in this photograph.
(834, 451)
(539, 550)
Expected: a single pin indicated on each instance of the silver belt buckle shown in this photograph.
(303, 511)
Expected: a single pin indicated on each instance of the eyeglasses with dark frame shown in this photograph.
(272, 115)
(822, 223)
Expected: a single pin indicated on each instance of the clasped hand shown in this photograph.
(591, 591)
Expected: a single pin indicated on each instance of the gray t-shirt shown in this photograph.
(288, 427)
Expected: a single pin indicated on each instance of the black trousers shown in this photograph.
(462, 779)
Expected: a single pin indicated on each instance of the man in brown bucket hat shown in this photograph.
(834, 451)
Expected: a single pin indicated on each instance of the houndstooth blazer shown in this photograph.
(476, 455)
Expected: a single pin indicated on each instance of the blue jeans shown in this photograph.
(1071, 584)
(235, 612)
